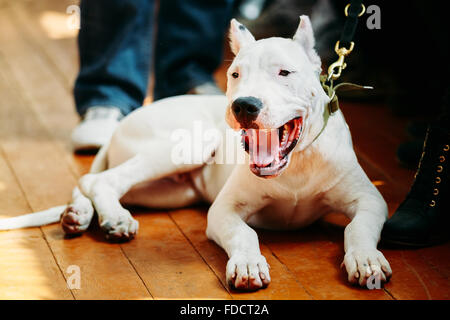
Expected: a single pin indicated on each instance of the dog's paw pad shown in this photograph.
(366, 265)
(124, 228)
(120, 237)
(247, 273)
(75, 221)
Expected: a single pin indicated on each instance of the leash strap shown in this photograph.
(353, 11)
(345, 45)
(343, 48)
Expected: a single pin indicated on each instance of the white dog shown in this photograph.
(273, 86)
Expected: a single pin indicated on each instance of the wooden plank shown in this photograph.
(28, 268)
(314, 255)
(438, 257)
(47, 97)
(168, 264)
(30, 150)
(413, 277)
(105, 272)
(12, 199)
(39, 20)
(283, 286)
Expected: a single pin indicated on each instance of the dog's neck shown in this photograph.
(315, 149)
(316, 122)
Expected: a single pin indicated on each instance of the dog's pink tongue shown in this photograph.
(263, 146)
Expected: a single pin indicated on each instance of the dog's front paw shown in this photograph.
(247, 272)
(362, 264)
(119, 227)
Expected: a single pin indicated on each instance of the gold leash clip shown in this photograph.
(363, 10)
(340, 65)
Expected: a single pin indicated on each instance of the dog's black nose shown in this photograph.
(246, 109)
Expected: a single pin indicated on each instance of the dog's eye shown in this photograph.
(284, 73)
(235, 75)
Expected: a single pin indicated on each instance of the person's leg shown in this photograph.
(115, 51)
(189, 44)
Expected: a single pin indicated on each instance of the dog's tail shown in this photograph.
(34, 219)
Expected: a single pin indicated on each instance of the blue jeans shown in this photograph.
(115, 46)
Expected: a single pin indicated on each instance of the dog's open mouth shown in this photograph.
(269, 148)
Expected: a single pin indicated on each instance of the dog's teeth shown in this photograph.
(285, 136)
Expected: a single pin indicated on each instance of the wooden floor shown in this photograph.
(171, 257)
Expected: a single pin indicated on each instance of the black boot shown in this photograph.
(409, 153)
(417, 129)
(423, 218)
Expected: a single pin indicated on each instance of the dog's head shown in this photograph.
(274, 95)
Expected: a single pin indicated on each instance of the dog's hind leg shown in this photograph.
(164, 193)
(78, 215)
(105, 189)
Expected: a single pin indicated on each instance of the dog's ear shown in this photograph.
(240, 36)
(305, 37)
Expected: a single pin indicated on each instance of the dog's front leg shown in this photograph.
(246, 269)
(362, 258)
(366, 207)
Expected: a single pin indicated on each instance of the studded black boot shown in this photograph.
(423, 219)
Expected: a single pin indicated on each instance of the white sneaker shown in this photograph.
(208, 88)
(96, 128)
